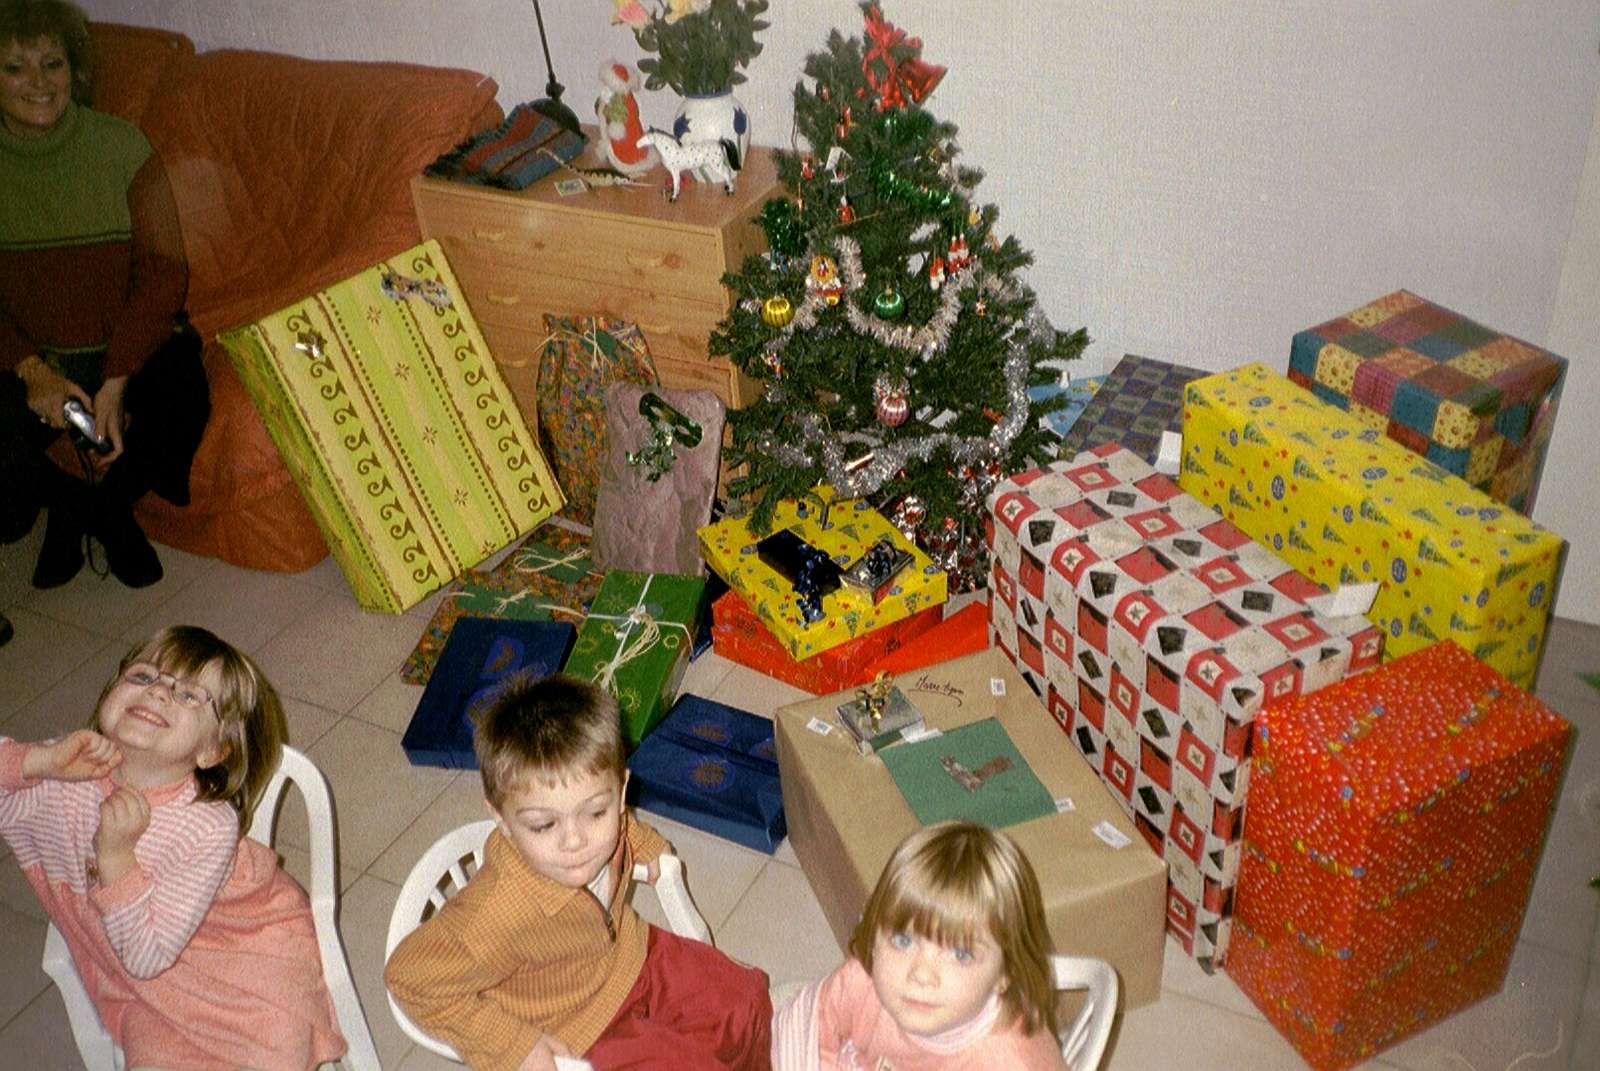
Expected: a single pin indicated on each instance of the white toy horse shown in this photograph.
(709, 160)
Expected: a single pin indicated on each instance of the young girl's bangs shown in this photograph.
(951, 917)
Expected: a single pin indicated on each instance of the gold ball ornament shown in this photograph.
(777, 311)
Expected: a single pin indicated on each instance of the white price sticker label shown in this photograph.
(1111, 834)
(1065, 804)
(818, 726)
(997, 686)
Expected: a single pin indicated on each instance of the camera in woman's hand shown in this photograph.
(80, 425)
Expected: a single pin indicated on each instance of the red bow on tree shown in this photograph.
(893, 80)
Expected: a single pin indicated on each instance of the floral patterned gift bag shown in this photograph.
(582, 356)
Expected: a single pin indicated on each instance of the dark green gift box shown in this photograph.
(635, 643)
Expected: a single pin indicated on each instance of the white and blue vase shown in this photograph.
(713, 117)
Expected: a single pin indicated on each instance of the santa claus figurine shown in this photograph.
(618, 113)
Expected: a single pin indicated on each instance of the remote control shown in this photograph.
(80, 425)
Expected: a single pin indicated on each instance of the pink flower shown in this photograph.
(630, 12)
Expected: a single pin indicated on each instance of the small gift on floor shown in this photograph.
(713, 767)
(660, 477)
(1395, 825)
(582, 356)
(739, 635)
(1077, 395)
(1472, 400)
(549, 573)
(795, 576)
(635, 643)
(391, 416)
(482, 656)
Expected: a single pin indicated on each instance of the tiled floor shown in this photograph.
(336, 667)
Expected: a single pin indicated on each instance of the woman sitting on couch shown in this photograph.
(92, 284)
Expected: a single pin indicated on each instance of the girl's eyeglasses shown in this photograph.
(190, 695)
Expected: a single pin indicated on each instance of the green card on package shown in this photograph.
(635, 643)
(973, 772)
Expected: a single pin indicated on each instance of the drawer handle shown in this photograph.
(642, 260)
(504, 299)
(488, 235)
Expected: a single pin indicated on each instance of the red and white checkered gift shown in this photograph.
(1154, 631)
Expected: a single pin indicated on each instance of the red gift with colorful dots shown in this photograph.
(1155, 631)
(1395, 824)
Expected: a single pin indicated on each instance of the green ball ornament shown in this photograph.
(889, 305)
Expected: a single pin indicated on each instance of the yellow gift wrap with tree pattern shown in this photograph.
(396, 426)
(844, 530)
(1344, 504)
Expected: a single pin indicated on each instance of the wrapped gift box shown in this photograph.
(1343, 503)
(1395, 824)
(1154, 631)
(1136, 401)
(1474, 401)
(550, 572)
(1077, 394)
(396, 426)
(635, 643)
(481, 656)
(713, 767)
(844, 532)
(962, 633)
(1103, 887)
(740, 636)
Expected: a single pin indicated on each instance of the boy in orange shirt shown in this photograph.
(541, 955)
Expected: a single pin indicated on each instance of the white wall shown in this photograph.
(1198, 179)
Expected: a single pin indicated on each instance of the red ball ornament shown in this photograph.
(892, 410)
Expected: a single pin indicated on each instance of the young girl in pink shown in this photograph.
(949, 968)
(198, 951)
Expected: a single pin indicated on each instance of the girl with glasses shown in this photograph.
(198, 950)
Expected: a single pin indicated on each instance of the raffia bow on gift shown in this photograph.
(634, 646)
(533, 560)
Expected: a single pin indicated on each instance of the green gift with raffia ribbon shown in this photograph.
(387, 408)
(635, 643)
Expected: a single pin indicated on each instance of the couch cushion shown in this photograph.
(130, 62)
(291, 173)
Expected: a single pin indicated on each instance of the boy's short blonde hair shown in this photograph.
(252, 729)
(547, 728)
(951, 881)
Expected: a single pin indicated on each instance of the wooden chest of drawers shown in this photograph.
(619, 251)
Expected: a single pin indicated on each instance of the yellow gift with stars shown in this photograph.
(1344, 504)
(845, 531)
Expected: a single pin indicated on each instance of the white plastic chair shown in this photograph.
(95, 1045)
(442, 872)
(1083, 1043)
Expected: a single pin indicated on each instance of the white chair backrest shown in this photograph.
(446, 867)
(1083, 1042)
(95, 1045)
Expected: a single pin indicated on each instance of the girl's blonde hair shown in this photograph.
(252, 730)
(947, 883)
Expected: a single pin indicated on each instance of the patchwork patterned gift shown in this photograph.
(1472, 400)
(840, 532)
(1155, 632)
(1343, 503)
(394, 422)
(1395, 824)
(1135, 402)
(549, 573)
(582, 356)
(635, 643)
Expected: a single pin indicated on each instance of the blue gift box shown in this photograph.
(714, 767)
(481, 656)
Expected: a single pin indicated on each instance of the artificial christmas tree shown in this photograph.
(888, 323)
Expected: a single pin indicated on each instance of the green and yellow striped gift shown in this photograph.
(396, 426)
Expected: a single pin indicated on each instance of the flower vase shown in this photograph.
(713, 117)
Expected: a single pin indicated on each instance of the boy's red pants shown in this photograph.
(691, 1009)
